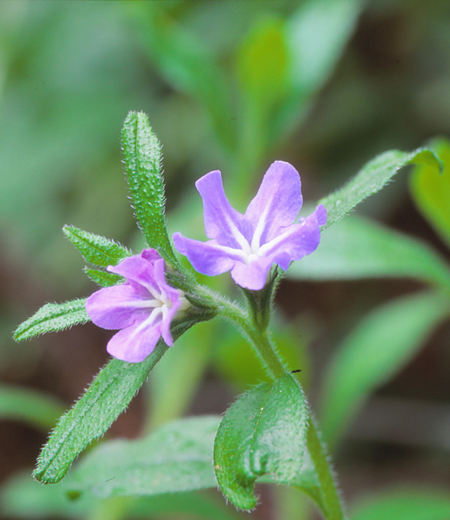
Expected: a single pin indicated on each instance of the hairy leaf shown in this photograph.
(105, 399)
(373, 176)
(96, 249)
(262, 434)
(358, 248)
(176, 457)
(103, 278)
(144, 173)
(53, 317)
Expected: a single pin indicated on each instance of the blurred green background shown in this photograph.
(229, 85)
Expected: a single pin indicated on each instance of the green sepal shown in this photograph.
(104, 278)
(105, 399)
(53, 317)
(143, 158)
(262, 434)
(371, 178)
(96, 249)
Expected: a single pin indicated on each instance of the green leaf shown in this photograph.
(262, 433)
(373, 176)
(412, 503)
(103, 278)
(188, 65)
(376, 350)
(106, 398)
(431, 190)
(358, 248)
(176, 457)
(316, 36)
(96, 249)
(262, 64)
(22, 497)
(34, 407)
(53, 317)
(144, 172)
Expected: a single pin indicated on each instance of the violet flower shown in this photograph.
(142, 307)
(266, 234)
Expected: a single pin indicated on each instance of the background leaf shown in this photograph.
(143, 160)
(404, 504)
(431, 190)
(29, 405)
(53, 317)
(263, 432)
(106, 398)
(176, 457)
(358, 248)
(377, 349)
(371, 178)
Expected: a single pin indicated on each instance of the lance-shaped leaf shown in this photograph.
(377, 349)
(144, 172)
(96, 249)
(106, 398)
(176, 457)
(33, 407)
(103, 278)
(358, 248)
(373, 176)
(53, 317)
(262, 434)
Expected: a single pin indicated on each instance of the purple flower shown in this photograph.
(142, 307)
(266, 234)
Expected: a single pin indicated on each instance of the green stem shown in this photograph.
(330, 496)
(261, 343)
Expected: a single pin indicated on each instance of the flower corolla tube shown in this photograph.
(142, 307)
(267, 233)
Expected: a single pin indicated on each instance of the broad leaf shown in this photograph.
(176, 457)
(376, 350)
(144, 173)
(412, 503)
(96, 249)
(30, 406)
(53, 317)
(358, 248)
(373, 176)
(106, 398)
(262, 433)
(431, 191)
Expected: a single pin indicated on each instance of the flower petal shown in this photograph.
(135, 343)
(115, 307)
(277, 203)
(297, 240)
(139, 270)
(252, 276)
(207, 257)
(222, 221)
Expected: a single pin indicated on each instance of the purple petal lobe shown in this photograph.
(277, 203)
(206, 257)
(134, 343)
(143, 307)
(252, 276)
(222, 221)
